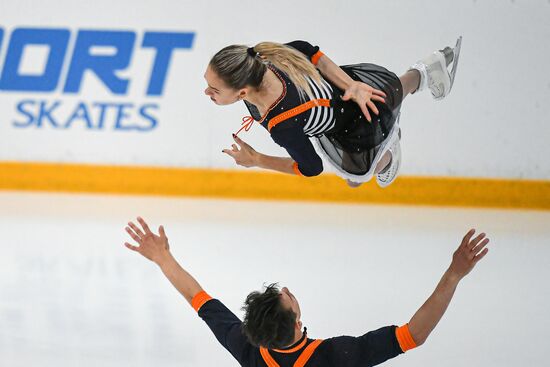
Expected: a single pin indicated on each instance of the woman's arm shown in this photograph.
(361, 93)
(304, 160)
(246, 156)
(279, 164)
(334, 73)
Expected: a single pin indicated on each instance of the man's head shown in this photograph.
(272, 318)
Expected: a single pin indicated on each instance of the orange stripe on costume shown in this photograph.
(296, 169)
(315, 58)
(199, 300)
(302, 359)
(268, 359)
(307, 353)
(404, 337)
(323, 102)
(296, 348)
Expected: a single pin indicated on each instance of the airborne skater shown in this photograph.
(296, 92)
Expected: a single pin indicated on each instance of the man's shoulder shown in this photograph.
(337, 342)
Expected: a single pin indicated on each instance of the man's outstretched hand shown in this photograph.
(470, 251)
(153, 247)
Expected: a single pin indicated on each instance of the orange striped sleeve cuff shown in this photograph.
(404, 337)
(296, 169)
(315, 58)
(199, 300)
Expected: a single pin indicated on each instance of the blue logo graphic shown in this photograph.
(80, 60)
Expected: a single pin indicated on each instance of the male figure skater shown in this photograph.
(271, 333)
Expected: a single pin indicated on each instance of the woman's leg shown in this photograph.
(383, 162)
(410, 82)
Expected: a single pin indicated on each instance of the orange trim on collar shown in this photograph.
(302, 359)
(315, 58)
(199, 300)
(321, 102)
(296, 348)
(278, 100)
(404, 337)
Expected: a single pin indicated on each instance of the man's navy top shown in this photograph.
(343, 351)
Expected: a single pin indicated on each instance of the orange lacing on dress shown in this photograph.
(248, 121)
(246, 124)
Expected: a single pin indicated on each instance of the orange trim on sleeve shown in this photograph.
(321, 102)
(199, 300)
(404, 337)
(315, 58)
(296, 169)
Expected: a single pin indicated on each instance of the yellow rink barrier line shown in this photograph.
(240, 184)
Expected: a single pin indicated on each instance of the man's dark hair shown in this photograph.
(266, 322)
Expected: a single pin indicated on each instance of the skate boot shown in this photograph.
(385, 177)
(353, 184)
(434, 70)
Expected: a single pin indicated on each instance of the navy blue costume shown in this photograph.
(343, 351)
(353, 140)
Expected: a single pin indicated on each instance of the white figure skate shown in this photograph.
(388, 174)
(434, 72)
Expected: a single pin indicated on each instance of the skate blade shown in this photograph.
(456, 54)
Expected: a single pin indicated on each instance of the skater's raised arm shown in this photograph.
(223, 323)
(304, 160)
(362, 94)
(156, 248)
(465, 258)
(246, 156)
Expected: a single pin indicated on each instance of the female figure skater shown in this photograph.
(297, 93)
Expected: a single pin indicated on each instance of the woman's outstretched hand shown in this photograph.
(243, 154)
(364, 95)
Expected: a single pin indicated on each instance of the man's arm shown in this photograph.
(465, 258)
(380, 345)
(223, 323)
(156, 248)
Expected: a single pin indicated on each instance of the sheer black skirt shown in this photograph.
(354, 145)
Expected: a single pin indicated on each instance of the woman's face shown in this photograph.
(218, 91)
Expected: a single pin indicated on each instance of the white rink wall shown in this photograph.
(494, 124)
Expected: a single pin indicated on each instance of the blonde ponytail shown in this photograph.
(239, 66)
(293, 63)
